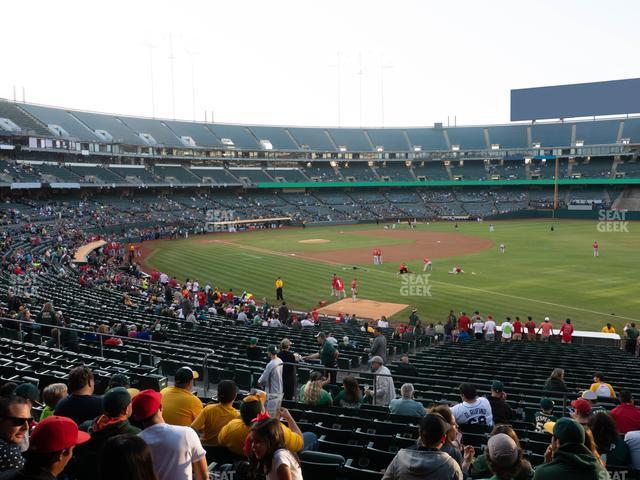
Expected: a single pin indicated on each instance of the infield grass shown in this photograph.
(542, 273)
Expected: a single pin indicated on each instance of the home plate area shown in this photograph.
(363, 309)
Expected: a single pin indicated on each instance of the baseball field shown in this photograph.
(541, 273)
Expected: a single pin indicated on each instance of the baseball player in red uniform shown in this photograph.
(427, 264)
(334, 289)
(340, 288)
(379, 256)
(596, 253)
(354, 289)
(375, 256)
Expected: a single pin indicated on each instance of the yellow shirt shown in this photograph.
(212, 419)
(179, 406)
(234, 434)
(279, 283)
(602, 389)
(608, 330)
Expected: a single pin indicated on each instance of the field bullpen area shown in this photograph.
(542, 272)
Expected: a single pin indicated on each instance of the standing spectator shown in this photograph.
(530, 325)
(517, 330)
(269, 455)
(50, 448)
(600, 387)
(279, 286)
(328, 356)
(500, 409)
(632, 335)
(312, 392)
(179, 405)
(350, 396)
(506, 331)
(254, 352)
(288, 371)
(379, 345)
(610, 445)
(413, 318)
(427, 460)
(271, 378)
(566, 330)
(545, 330)
(15, 417)
(478, 328)
(80, 405)
(464, 322)
(472, 409)
(126, 457)
(608, 328)
(216, 415)
(545, 414)
(490, 329)
(116, 406)
(51, 395)
(406, 405)
(176, 451)
(555, 383)
(567, 457)
(385, 390)
(283, 314)
(626, 415)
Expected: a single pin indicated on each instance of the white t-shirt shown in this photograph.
(271, 378)
(478, 327)
(284, 457)
(490, 327)
(632, 439)
(478, 412)
(173, 450)
(507, 329)
(383, 324)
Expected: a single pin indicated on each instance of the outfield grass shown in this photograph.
(542, 273)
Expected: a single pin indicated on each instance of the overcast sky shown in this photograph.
(276, 62)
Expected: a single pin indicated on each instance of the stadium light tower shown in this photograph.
(153, 93)
(173, 83)
(337, 66)
(193, 82)
(360, 73)
(383, 67)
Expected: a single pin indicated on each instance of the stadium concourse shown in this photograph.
(112, 338)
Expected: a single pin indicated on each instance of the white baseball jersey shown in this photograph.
(478, 412)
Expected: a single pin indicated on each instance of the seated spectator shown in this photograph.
(126, 457)
(610, 445)
(50, 450)
(452, 444)
(568, 457)
(51, 395)
(473, 409)
(545, 414)
(404, 368)
(269, 455)
(234, 434)
(254, 352)
(406, 405)
(504, 457)
(116, 407)
(216, 415)
(555, 383)
(385, 390)
(600, 387)
(632, 439)
(581, 411)
(176, 451)
(350, 396)
(500, 409)
(312, 392)
(427, 460)
(121, 380)
(179, 405)
(481, 467)
(15, 417)
(30, 393)
(383, 323)
(626, 415)
(592, 398)
(80, 405)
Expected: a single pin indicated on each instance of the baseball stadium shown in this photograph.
(202, 299)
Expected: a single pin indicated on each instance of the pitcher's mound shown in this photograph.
(364, 309)
(314, 240)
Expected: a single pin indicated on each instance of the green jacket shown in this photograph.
(571, 462)
(480, 469)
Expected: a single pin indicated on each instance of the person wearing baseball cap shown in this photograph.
(271, 378)
(176, 450)
(428, 460)
(254, 352)
(545, 414)
(51, 447)
(328, 356)
(567, 457)
(500, 409)
(581, 411)
(504, 457)
(385, 390)
(116, 408)
(179, 405)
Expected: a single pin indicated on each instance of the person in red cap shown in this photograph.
(582, 411)
(176, 450)
(50, 449)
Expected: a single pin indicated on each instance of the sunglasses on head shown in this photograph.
(18, 421)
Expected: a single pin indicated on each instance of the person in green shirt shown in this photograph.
(312, 393)
(51, 395)
(350, 396)
(632, 338)
(328, 356)
(545, 414)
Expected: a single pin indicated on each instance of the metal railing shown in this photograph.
(103, 336)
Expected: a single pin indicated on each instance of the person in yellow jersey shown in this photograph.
(179, 405)
(217, 415)
(608, 328)
(279, 285)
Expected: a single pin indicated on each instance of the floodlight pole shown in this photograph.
(555, 189)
